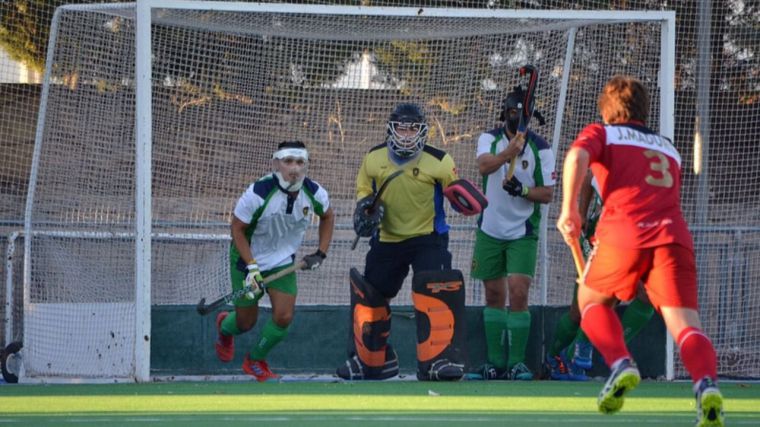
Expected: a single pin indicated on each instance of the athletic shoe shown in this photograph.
(709, 404)
(556, 367)
(491, 372)
(259, 370)
(622, 380)
(582, 355)
(225, 344)
(521, 372)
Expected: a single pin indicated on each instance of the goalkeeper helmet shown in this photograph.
(407, 132)
(511, 109)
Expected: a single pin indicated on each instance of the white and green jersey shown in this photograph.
(277, 221)
(508, 217)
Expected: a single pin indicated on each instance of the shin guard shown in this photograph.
(371, 357)
(439, 305)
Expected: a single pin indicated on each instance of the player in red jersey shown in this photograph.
(641, 235)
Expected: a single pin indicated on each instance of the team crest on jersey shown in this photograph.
(416, 171)
(525, 164)
(305, 210)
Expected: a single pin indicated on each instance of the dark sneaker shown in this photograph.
(709, 404)
(583, 355)
(520, 372)
(622, 380)
(491, 372)
(225, 344)
(259, 369)
(442, 370)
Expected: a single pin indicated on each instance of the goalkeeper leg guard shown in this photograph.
(371, 356)
(439, 304)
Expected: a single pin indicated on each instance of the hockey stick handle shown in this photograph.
(204, 309)
(527, 111)
(580, 264)
(376, 200)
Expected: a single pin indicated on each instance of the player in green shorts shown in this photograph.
(504, 257)
(268, 225)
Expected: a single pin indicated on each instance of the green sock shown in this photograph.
(495, 326)
(635, 317)
(229, 325)
(580, 336)
(271, 335)
(518, 330)
(564, 334)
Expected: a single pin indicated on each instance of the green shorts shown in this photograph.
(286, 284)
(494, 258)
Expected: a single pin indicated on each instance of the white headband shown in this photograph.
(291, 152)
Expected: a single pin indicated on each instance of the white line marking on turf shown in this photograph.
(595, 420)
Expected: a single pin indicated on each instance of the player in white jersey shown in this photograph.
(506, 239)
(268, 225)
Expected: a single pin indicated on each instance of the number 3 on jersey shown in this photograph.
(660, 167)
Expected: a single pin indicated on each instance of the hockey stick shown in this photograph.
(580, 265)
(376, 200)
(527, 108)
(204, 309)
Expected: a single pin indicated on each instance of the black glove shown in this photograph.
(515, 188)
(366, 222)
(313, 261)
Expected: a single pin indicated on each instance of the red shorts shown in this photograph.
(669, 274)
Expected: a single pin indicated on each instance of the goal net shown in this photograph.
(226, 83)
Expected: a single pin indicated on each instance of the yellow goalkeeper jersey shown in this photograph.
(414, 200)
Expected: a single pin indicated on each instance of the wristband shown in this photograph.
(252, 266)
(525, 191)
(320, 253)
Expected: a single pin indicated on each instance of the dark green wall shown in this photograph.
(183, 342)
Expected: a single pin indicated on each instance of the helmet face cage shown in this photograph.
(407, 131)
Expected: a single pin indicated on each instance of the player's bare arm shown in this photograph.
(489, 163)
(238, 238)
(326, 227)
(573, 173)
(540, 194)
(585, 196)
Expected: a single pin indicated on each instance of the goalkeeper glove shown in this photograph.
(254, 279)
(365, 222)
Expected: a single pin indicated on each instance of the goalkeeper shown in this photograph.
(570, 353)
(268, 225)
(408, 229)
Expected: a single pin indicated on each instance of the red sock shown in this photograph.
(603, 328)
(698, 354)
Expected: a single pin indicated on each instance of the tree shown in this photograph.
(25, 29)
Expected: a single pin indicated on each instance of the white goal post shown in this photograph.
(155, 116)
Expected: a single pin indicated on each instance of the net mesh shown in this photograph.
(219, 122)
(227, 87)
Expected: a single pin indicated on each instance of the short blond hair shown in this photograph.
(624, 98)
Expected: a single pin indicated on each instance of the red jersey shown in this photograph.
(639, 176)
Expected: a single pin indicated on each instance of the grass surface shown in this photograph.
(361, 403)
